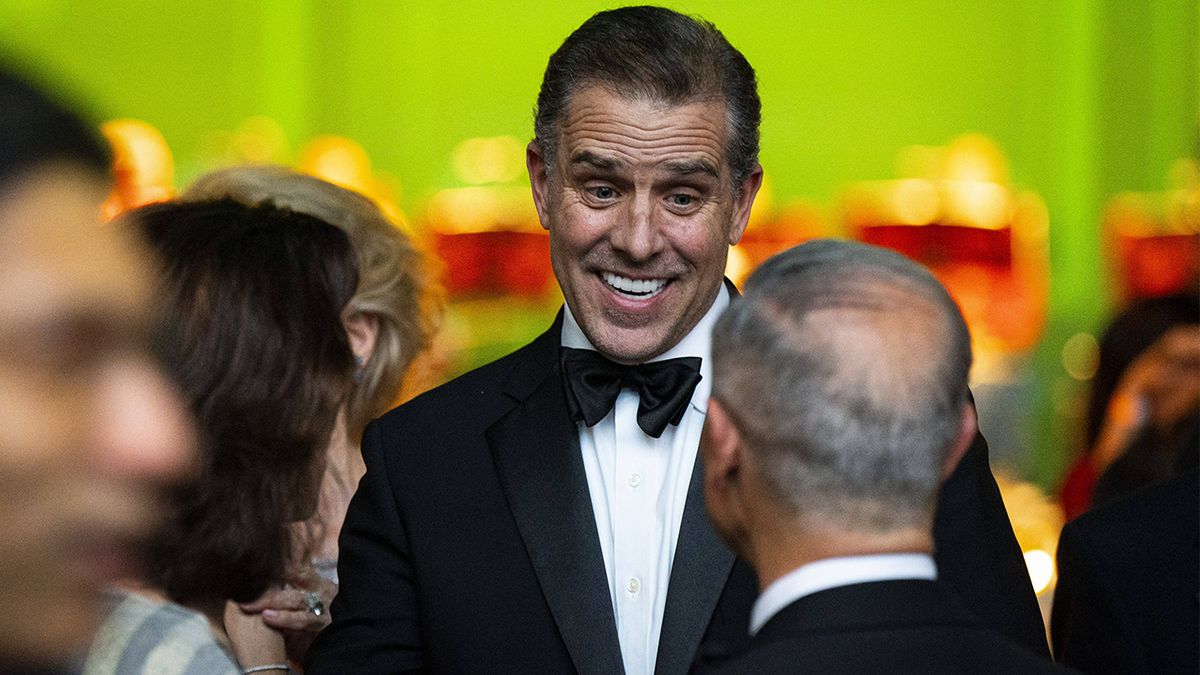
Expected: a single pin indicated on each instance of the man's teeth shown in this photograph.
(642, 288)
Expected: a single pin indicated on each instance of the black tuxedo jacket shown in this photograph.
(1128, 596)
(471, 545)
(906, 626)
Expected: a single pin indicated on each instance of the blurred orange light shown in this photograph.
(343, 162)
(1154, 237)
(338, 160)
(143, 169)
(916, 201)
(477, 161)
(483, 209)
(953, 212)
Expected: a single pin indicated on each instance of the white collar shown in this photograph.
(834, 572)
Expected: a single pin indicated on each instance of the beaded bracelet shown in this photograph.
(276, 666)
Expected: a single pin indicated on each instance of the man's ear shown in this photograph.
(539, 179)
(744, 202)
(968, 427)
(720, 448)
(720, 440)
(362, 328)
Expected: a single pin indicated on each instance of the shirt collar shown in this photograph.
(833, 572)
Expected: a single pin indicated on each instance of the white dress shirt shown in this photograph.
(638, 485)
(834, 572)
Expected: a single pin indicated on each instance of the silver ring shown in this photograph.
(314, 603)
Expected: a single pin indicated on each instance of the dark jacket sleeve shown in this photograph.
(375, 625)
(978, 556)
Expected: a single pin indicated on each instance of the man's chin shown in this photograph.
(630, 346)
(636, 339)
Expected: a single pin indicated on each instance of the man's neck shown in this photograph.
(774, 552)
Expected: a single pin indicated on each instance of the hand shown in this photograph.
(1160, 388)
(287, 610)
(1174, 387)
(254, 643)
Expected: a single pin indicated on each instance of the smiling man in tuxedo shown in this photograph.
(544, 513)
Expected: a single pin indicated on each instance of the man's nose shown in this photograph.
(141, 427)
(639, 233)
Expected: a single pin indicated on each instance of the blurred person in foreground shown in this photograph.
(389, 321)
(839, 405)
(257, 295)
(544, 513)
(91, 431)
(1143, 423)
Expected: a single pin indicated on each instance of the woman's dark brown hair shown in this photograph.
(255, 296)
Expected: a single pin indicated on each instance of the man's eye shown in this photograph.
(682, 199)
(604, 192)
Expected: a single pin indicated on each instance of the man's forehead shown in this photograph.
(55, 256)
(606, 131)
(650, 108)
(682, 167)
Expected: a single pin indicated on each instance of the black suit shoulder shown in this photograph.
(431, 558)
(440, 424)
(473, 397)
(908, 626)
(1128, 596)
(912, 650)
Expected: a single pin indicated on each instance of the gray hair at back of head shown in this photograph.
(394, 279)
(841, 431)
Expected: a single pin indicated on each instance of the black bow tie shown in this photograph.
(594, 382)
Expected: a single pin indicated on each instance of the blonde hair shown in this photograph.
(394, 286)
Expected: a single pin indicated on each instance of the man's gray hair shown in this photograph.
(845, 367)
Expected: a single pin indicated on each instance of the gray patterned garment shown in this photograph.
(145, 637)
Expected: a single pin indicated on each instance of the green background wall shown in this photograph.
(1087, 97)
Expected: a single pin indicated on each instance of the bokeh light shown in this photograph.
(478, 161)
(1081, 356)
(143, 167)
(338, 160)
(916, 200)
(1041, 569)
(260, 139)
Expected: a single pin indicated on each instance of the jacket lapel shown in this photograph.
(698, 575)
(536, 451)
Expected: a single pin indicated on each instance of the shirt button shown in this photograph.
(635, 480)
(634, 585)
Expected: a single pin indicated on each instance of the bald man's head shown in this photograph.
(845, 367)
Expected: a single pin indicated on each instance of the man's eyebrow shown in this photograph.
(594, 160)
(683, 167)
(691, 166)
